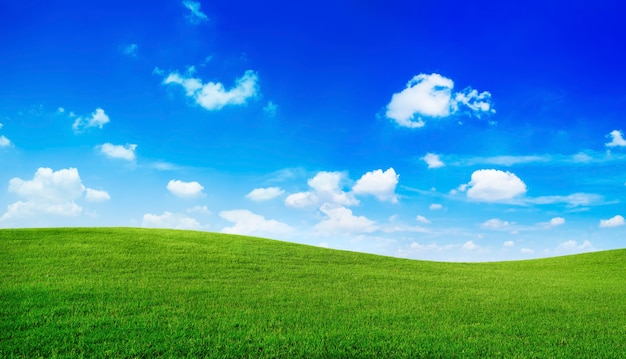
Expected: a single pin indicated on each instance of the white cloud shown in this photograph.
(4, 142)
(617, 139)
(470, 246)
(270, 109)
(508, 244)
(97, 119)
(213, 95)
(422, 219)
(196, 16)
(557, 221)
(185, 189)
(169, 220)
(325, 187)
(431, 96)
(433, 160)
(496, 224)
(118, 151)
(494, 185)
(573, 246)
(264, 194)
(50, 192)
(381, 185)
(248, 223)
(612, 222)
(199, 209)
(527, 251)
(572, 200)
(94, 195)
(341, 220)
(131, 50)
(435, 206)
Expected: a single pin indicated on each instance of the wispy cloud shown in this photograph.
(196, 16)
(270, 109)
(131, 50)
(97, 119)
(170, 220)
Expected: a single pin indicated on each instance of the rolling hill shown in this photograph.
(127, 292)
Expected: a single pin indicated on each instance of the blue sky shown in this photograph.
(443, 131)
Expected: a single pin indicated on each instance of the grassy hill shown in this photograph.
(120, 292)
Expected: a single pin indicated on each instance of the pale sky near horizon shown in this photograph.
(451, 131)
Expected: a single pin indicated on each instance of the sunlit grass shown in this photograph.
(120, 292)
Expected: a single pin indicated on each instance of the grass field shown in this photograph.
(120, 292)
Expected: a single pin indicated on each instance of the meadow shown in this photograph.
(146, 293)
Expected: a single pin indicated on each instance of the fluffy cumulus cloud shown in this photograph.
(432, 96)
(557, 221)
(612, 222)
(381, 185)
(325, 187)
(494, 185)
(213, 95)
(433, 160)
(97, 119)
(185, 189)
(196, 16)
(50, 192)
(123, 152)
(341, 220)
(264, 194)
(617, 139)
(169, 220)
(248, 223)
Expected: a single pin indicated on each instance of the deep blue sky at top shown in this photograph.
(554, 70)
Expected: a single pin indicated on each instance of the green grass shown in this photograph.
(140, 293)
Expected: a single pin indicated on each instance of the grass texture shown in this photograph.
(145, 293)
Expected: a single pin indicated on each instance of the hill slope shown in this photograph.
(121, 292)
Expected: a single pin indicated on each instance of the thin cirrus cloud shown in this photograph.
(185, 189)
(264, 194)
(51, 193)
(431, 96)
(213, 95)
(195, 16)
(97, 119)
(123, 152)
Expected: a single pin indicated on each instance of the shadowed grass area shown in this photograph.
(124, 292)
